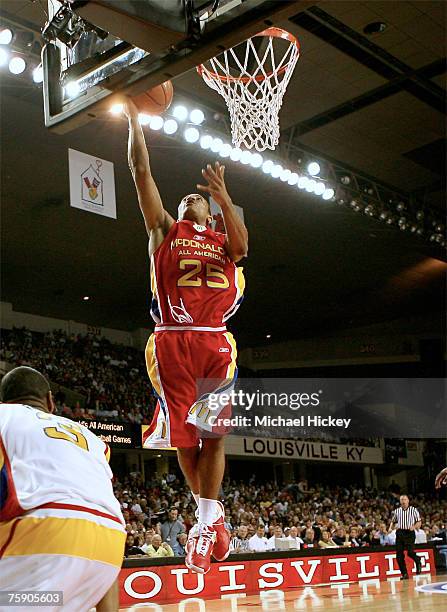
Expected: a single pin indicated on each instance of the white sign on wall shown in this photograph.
(218, 222)
(301, 450)
(92, 184)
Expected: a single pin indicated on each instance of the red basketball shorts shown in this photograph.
(176, 361)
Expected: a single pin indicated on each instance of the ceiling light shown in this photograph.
(375, 27)
(319, 189)
(256, 160)
(245, 157)
(328, 194)
(310, 185)
(17, 65)
(6, 36)
(72, 89)
(117, 109)
(216, 145)
(86, 298)
(156, 122)
(313, 168)
(197, 116)
(226, 150)
(302, 182)
(345, 180)
(38, 74)
(205, 141)
(144, 119)
(236, 154)
(268, 336)
(267, 166)
(293, 179)
(191, 134)
(180, 112)
(170, 126)
(276, 171)
(284, 176)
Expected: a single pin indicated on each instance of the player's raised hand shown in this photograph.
(216, 183)
(441, 478)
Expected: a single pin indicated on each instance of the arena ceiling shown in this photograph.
(372, 103)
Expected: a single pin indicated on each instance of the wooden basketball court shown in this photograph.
(387, 596)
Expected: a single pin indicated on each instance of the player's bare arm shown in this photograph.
(110, 601)
(156, 219)
(237, 236)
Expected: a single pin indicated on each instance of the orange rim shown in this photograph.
(274, 33)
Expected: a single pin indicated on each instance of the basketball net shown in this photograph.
(254, 95)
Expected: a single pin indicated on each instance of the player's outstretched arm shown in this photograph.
(156, 218)
(441, 478)
(110, 601)
(237, 235)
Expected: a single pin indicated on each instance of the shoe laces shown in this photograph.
(206, 537)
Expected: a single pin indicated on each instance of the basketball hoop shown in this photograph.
(254, 95)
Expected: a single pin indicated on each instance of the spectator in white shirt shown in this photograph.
(258, 542)
(390, 539)
(293, 535)
(136, 508)
(277, 533)
(421, 536)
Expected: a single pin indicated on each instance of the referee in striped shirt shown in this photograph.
(407, 519)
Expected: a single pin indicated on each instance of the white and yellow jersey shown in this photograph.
(50, 465)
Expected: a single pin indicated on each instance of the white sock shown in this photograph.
(196, 497)
(208, 510)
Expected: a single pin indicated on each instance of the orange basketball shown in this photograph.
(155, 100)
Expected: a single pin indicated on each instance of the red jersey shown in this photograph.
(194, 283)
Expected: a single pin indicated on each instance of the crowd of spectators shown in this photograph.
(263, 517)
(111, 382)
(111, 379)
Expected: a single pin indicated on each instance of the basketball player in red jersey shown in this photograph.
(196, 287)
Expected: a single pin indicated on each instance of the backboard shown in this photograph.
(97, 50)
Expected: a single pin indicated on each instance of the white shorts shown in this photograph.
(83, 582)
